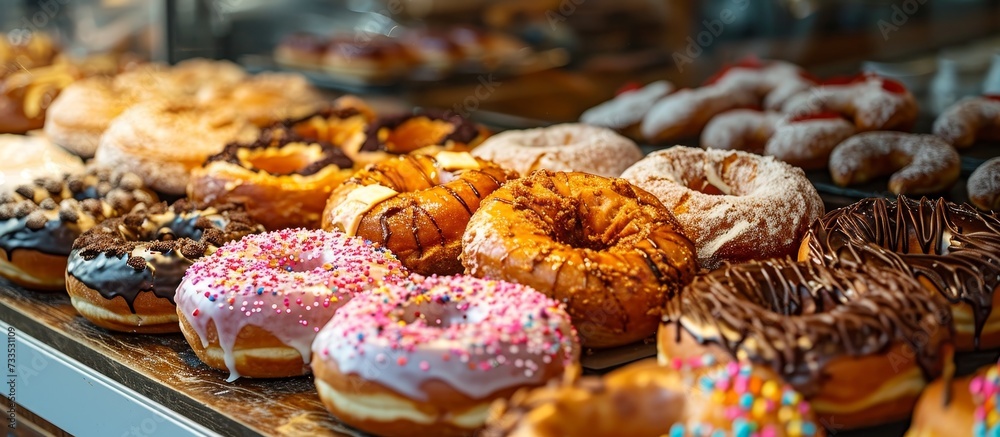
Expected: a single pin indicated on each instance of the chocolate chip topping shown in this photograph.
(465, 130)
(48, 204)
(136, 262)
(36, 220)
(25, 191)
(954, 247)
(797, 317)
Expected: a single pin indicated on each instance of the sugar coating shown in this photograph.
(866, 100)
(984, 185)
(963, 122)
(627, 108)
(808, 139)
(766, 207)
(928, 160)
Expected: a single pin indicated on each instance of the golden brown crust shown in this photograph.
(609, 249)
(424, 223)
(944, 408)
(286, 362)
(33, 269)
(159, 316)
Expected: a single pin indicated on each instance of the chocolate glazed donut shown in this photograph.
(859, 343)
(952, 249)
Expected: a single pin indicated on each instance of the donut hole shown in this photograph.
(290, 159)
(440, 315)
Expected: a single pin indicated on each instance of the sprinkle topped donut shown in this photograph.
(435, 352)
(274, 290)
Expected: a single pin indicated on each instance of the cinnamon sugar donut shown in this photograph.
(606, 248)
(734, 205)
(969, 120)
(984, 185)
(803, 141)
(625, 111)
(418, 206)
(562, 147)
(919, 164)
(685, 398)
(953, 250)
(81, 113)
(859, 343)
(162, 141)
(871, 101)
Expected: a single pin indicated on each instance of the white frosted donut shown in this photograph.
(735, 206)
(984, 185)
(26, 158)
(429, 357)
(162, 141)
(919, 164)
(562, 147)
(968, 120)
(628, 108)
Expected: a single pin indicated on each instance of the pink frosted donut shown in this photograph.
(969, 120)
(873, 102)
(919, 164)
(428, 357)
(804, 141)
(984, 185)
(255, 305)
(735, 206)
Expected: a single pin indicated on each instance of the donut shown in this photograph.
(871, 101)
(606, 248)
(428, 357)
(959, 406)
(645, 399)
(970, 120)
(25, 95)
(425, 131)
(301, 50)
(802, 141)
(282, 182)
(81, 113)
(984, 185)
(254, 306)
(196, 73)
(562, 147)
(433, 49)
(859, 343)
(417, 206)
(919, 164)
(122, 273)
(734, 206)
(951, 249)
(162, 141)
(265, 98)
(485, 47)
(749, 83)
(342, 127)
(625, 111)
(367, 59)
(39, 222)
(26, 158)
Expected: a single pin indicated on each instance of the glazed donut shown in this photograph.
(162, 141)
(960, 406)
(859, 343)
(563, 147)
(26, 158)
(606, 248)
(919, 164)
(265, 98)
(984, 185)
(254, 306)
(141, 257)
(803, 141)
(426, 131)
(417, 206)
(735, 206)
(428, 358)
(646, 399)
(952, 249)
(81, 113)
(282, 182)
(871, 101)
(625, 111)
(39, 222)
(969, 120)
(301, 50)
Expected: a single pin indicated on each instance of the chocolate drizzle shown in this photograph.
(150, 250)
(953, 247)
(465, 130)
(332, 155)
(797, 317)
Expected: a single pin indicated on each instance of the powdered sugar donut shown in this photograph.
(626, 110)
(562, 147)
(255, 305)
(773, 82)
(919, 164)
(734, 205)
(429, 357)
(873, 102)
(969, 120)
(984, 185)
(804, 141)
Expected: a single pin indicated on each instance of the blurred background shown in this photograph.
(528, 61)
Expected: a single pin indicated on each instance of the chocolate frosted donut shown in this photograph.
(859, 343)
(122, 274)
(950, 248)
(38, 222)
